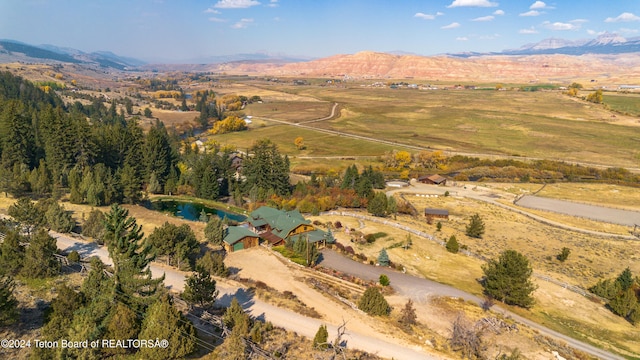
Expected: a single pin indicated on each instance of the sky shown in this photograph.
(188, 30)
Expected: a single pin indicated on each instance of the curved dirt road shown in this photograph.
(289, 320)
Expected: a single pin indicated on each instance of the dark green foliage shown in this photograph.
(12, 253)
(39, 261)
(164, 321)
(179, 243)
(607, 289)
(133, 283)
(475, 228)
(383, 258)
(378, 205)
(200, 288)
(97, 283)
(384, 280)
(350, 178)
(73, 257)
(94, 225)
(121, 323)
(213, 262)
(147, 112)
(452, 245)
(625, 303)
(508, 279)
(214, 231)
(59, 219)
(235, 318)
(321, 338)
(26, 212)
(373, 303)
(408, 315)
(158, 154)
(439, 226)
(625, 279)
(130, 184)
(8, 304)
(62, 309)
(564, 254)
(267, 170)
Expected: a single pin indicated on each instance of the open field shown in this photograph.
(540, 124)
(624, 103)
(294, 112)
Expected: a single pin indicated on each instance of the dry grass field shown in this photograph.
(294, 112)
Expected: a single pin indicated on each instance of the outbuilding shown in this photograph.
(238, 238)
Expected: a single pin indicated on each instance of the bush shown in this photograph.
(373, 303)
(452, 245)
(475, 228)
(508, 279)
(564, 254)
(383, 258)
(384, 280)
(338, 225)
(73, 257)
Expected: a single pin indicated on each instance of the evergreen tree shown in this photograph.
(97, 283)
(133, 283)
(213, 262)
(26, 212)
(624, 304)
(121, 323)
(378, 205)
(625, 279)
(452, 245)
(384, 280)
(8, 304)
(154, 186)
(508, 279)
(475, 228)
(39, 261)
(200, 288)
(267, 169)
(350, 178)
(179, 243)
(58, 218)
(164, 321)
(131, 185)
(373, 303)
(94, 225)
(11, 253)
(214, 231)
(321, 338)
(158, 153)
(383, 258)
(236, 319)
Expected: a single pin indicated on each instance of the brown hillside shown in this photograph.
(623, 68)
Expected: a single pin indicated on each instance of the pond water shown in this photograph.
(191, 211)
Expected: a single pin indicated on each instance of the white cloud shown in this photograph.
(560, 26)
(212, 11)
(273, 3)
(477, 3)
(624, 17)
(218, 20)
(453, 25)
(629, 31)
(538, 5)
(528, 31)
(243, 23)
(235, 4)
(489, 37)
(483, 18)
(498, 12)
(531, 13)
(462, 38)
(427, 16)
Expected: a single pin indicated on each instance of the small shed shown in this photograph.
(431, 213)
(238, 238)
(433, 179)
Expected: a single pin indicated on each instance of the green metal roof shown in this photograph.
(234, 234)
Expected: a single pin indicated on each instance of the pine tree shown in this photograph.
(39, 261)
(235, 318)
(452, 245)
(213, 262)
(121, 323)
(164, 321)
(378, 205)
(94, 225)
(383, 258)
(214, 231)
(133, 283)
(59, 219)
(373, 303)
(158, 153)
(267, 169)
(131, 185)
(200, 288)
(321, 338)
(11, 253)
(350, 178)
(26, 212)
(625, 279)
(8, 303)
(508, 279)
(475, 228)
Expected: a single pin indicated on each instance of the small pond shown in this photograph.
(191, 211)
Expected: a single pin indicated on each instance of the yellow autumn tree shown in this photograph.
(299, 142)
(403, 158)
(229, 124)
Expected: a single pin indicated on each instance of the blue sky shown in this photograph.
(179, 30)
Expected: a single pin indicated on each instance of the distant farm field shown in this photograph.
(294, 112)
(541, 124)
(624, 103)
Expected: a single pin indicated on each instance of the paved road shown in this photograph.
(289, 320)
(600, 213)
(420, 290)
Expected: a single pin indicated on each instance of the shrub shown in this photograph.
(384, 280)
(475, 228)
(383, 258)
(564, 254)
(508, 279)
(373, 303)
(452, 245)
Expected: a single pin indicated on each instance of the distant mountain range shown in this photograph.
(11, 50)
(607, 43)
